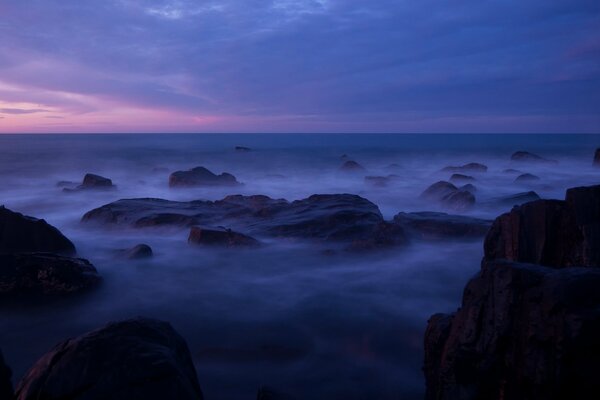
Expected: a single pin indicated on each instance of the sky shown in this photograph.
(505, 66)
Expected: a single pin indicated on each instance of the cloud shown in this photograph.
(19, 111)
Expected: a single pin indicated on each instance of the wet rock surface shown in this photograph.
(220, 237)
(201, 176)
(516, 199)
(526, 330)
(438, 226)
(132, 359)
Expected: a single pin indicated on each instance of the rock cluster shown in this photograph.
(449, 196)
(201, 176)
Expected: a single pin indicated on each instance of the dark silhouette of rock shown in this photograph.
(438, 191)
(468, 187)
(597, 158)
(434, 225)
(449, 196)
(460, 178)
(330, 217)
(242, 149)
(352, 166)
(138, 252)
(220, 237)
(6, 388)
(526, 331)
(525, 156)
(92, 182)
(470, 167)
(201, 176)
(132, 359)
(20, 233)
(516, 199)
(526, 178)
(45, 274)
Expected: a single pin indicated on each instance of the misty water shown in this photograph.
(286, 315)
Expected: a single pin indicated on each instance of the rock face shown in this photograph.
(435, 226)
(525, 156)
(132, 359)
(517, 199)
(6, 389)
(20, 233)
(526, 178)
(352, 166)
(526, 331)
(45, 274)
(449, 196)
(220, 237)
(470, 167)
(597, 158)
(201, 176)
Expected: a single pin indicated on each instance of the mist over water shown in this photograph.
(285, 315)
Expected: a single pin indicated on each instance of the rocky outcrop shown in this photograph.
(132, 359)
(201, 176)
(596, 161)
(526, 331)
(220, 237)
(92, 181)
(352, 166)
(6, 388)
(137, 252)
(436, 226)
(525, 156)
(20, 233)
(461, 178)
(524, 178)
(449, 196)
(470, 167)
(331, 217)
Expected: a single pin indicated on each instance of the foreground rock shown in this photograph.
(597, 158)
(132, 359)
(92, 181)
(220, 237)
(470, 167)
(526, 331)
(201, 176)
(525, 156)
(449, 196)
(6, 388)
(20, 233)
(436, 226)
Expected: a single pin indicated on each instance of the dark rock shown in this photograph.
(45, 274)
(20, 233)
(220, 237)
(66, 184)
(597, 158)
(267, 393)
(516, 199)
(526, 178)
(6, 388)
(435, 225)
(459, 200)
(523, 331)
(92, 181)
(380, 181)
(525, 156)
(132, 359)
(201, 176)
(470, 167)
(460, 178)
(242, 149)
(352, 166)
(584, 204)
(138, 252)
(468, 188)
(438, 191)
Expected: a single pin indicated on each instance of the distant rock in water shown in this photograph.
(525, 330)
(468, 187)
(6, 388)
(470, 167)
(132, 359)
(220, 237)
(516, 199)
(449, 196)
(352, 166)
(20, 233)
(526, 178)
(242, 149)
(597, 158)
(92, 182)
(137, 252)
(201, 176)
(380, 181)
(525, 156)
(460, 178)
(436, 226)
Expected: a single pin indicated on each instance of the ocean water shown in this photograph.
(286, 315)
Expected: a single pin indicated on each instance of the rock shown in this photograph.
(45, 274)
(242, 149)
(331, 217)
(92, 181)
(523, 331)
(132, 359)
(438, 191)
(267, 393)
(20, 233)
(138, 252)
(470, 167)
(352, 166)
(6, 388)
(468, 188)
(597, 158)
(516, 199)
(220, 237)
(449, 196)
(66, 184)
(525, 156)
(434, 225)
(380, 181)
(460, 178)
(201, 176)
(526, 178)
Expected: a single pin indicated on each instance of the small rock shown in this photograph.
(220, 237)
(439, 190)
(138, 252)
(201, 176)
(459, 200)
(460, 178)
(92, 181)
(352, 166)
(525, 156)
(512, 171)
(379, 181)
(468, 188)
(527, 178)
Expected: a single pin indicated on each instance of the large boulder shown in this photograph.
(45, 274)
(435, 225)
(201, 176)
(133, 359)
(138, 252)
(20, 233)
(220, 237)
(6, 388)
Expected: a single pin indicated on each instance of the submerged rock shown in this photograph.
(132, 359)
(460, 178)
(516, 199)
(449, 196)
(439, 190)
(220, 237)
(201, 176)
(468, 187)
(92, 181)
(138, 252)
(435, 226)
(20, 233)
(526, 178)
(470, 167)
(525, 156)
(6, 388)
(352, 166)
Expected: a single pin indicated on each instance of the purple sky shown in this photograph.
(300, 66)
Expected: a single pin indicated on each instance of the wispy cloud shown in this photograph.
(19, 111)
